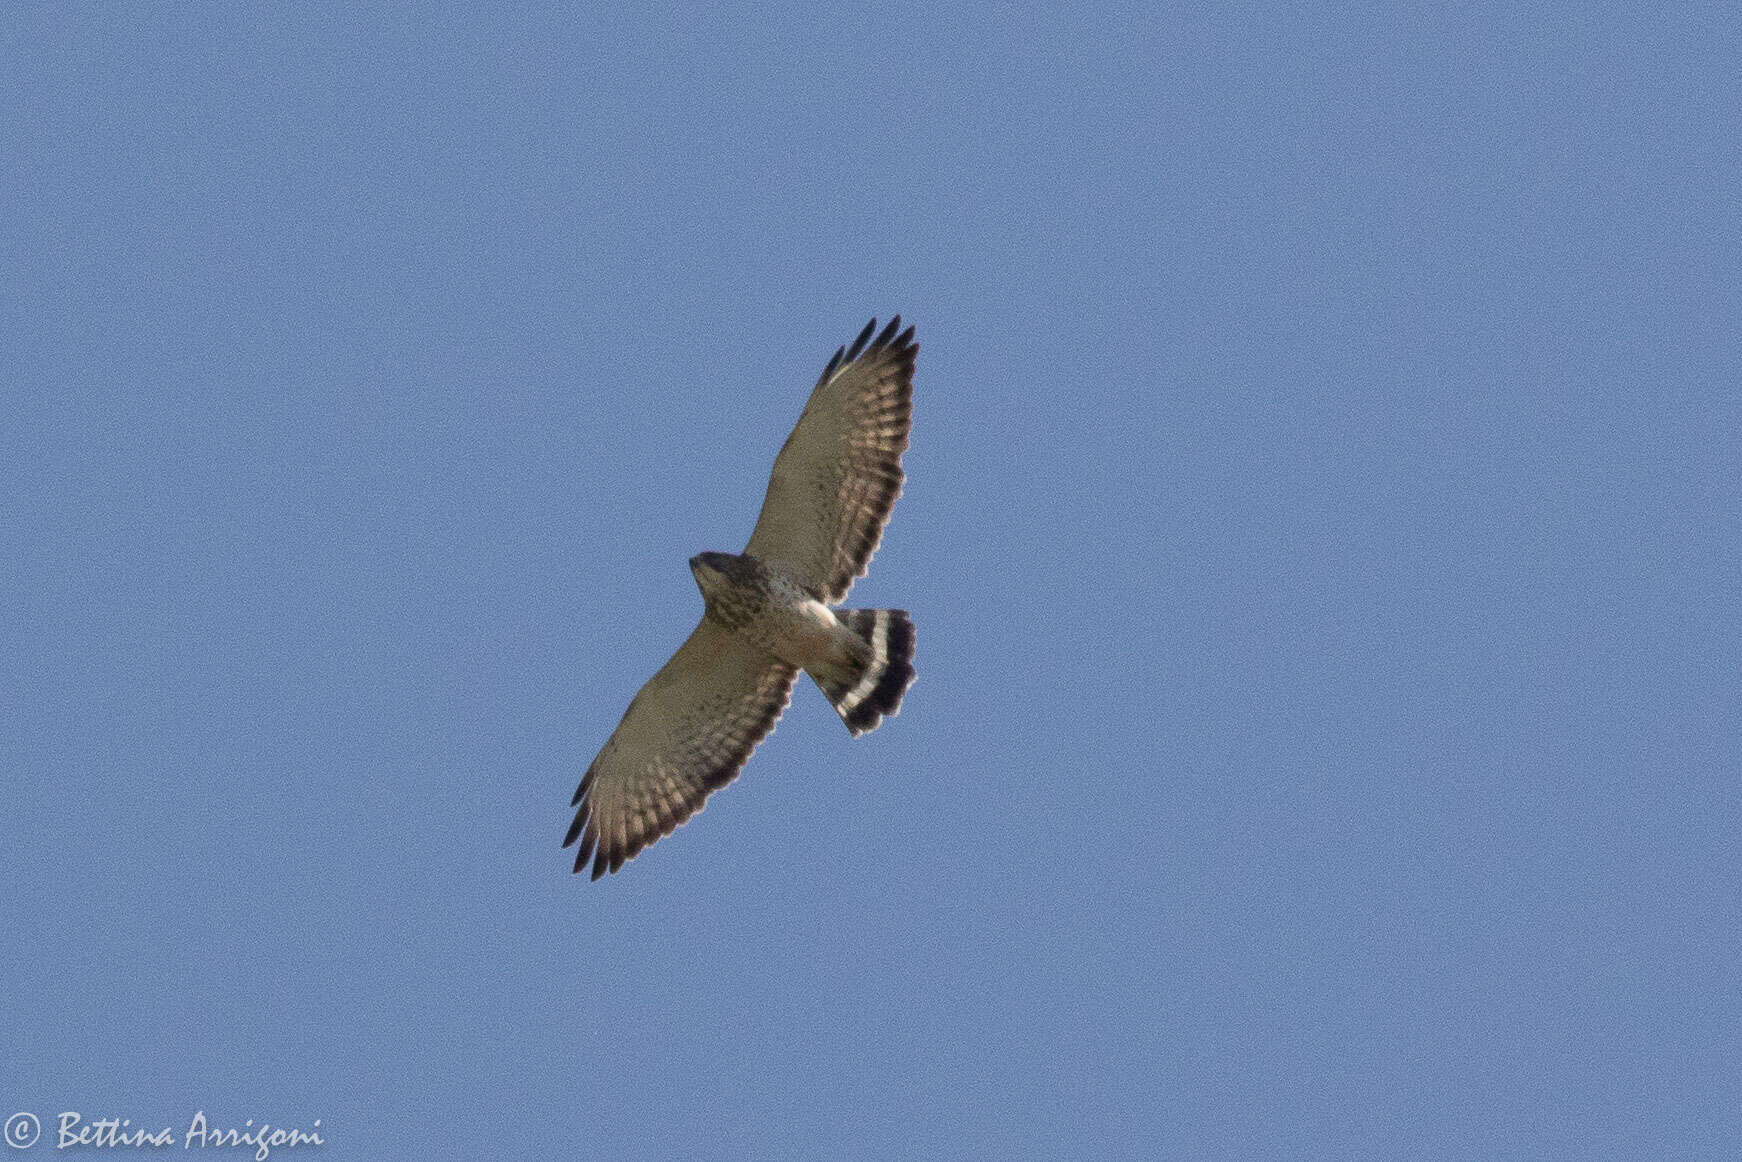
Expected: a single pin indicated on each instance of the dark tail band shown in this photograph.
(876, 689)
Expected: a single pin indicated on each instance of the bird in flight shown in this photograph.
(767, 615)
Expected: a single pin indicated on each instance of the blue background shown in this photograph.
(1322, 529)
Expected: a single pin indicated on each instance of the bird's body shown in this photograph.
(767, 615)
(767, 609)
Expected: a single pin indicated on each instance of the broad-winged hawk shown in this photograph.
(692, 727)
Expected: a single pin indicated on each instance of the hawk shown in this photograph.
(767, 615)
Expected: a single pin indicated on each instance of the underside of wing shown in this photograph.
(687, 733)
(838, 474)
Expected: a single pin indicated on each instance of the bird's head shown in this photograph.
(711, 570)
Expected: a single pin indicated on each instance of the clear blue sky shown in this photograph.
(1322, 527)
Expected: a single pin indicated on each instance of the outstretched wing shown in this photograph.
(838, 474)
(688, 733)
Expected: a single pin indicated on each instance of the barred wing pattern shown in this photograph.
(838, 474)
(688, 733)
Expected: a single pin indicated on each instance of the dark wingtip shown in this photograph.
(891, 338)
(858, 346)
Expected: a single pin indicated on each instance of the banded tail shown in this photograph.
(876, 685)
